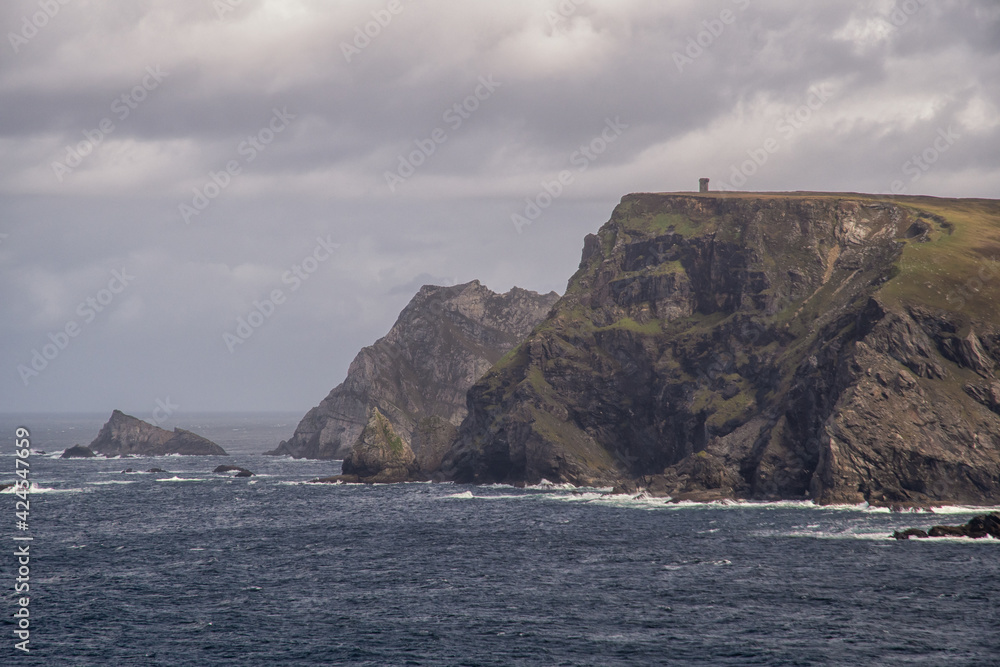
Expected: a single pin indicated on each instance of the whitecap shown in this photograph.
(35, 488)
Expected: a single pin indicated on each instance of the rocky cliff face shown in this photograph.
(124, 434)
(444, 340)
(836, 347)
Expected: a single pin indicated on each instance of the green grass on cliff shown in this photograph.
(958, 269)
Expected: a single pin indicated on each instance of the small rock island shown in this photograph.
(379, 456)
(78, 452)
(125, 435)
(978, 527)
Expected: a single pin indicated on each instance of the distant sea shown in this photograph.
(194, 568)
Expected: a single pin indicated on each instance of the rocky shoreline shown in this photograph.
(978, 527)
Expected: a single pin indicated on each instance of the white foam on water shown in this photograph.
(964, 509)
(459, 496)
(957, 540)
(877, 536)
(35, 488)
(546, 485)
(175, 478)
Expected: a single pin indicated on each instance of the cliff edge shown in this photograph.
(835, 347)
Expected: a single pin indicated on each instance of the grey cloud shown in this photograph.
(894, 88)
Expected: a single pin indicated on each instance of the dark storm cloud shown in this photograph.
(874, 83)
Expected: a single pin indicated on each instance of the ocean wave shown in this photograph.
(35, 488)
(175, 478)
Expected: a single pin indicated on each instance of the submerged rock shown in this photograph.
(125, 436)
(78, 452)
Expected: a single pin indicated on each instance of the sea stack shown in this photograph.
(126, 435)
(380, 456)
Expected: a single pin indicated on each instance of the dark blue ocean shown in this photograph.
(195, 568)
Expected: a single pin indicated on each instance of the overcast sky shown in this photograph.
(173, 161)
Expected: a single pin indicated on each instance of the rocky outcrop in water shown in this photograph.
(240, 472)
(978, 527)
(841, 348)
(124, 435)
(379, 456)
(443, 341)
(78, 452)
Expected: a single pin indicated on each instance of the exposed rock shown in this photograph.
(127, 470)
(760, 346)
(380, 455)
(157, 470)
(240, 472)
(978, 527)
(908, 533)
(444, 340)
(78, 452)
(432, 439)
(125, 436)
(6, 486)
